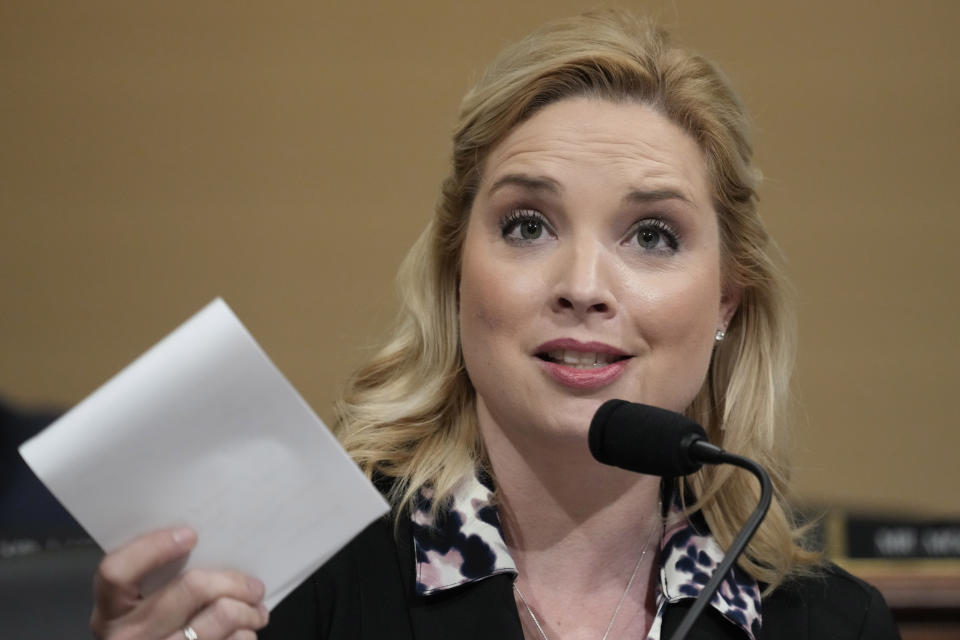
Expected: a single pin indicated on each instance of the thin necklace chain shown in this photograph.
(636, 569)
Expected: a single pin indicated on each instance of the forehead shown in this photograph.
(627, 142)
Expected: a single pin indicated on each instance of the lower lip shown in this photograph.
(577, 378)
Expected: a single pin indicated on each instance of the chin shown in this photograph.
(573, 418)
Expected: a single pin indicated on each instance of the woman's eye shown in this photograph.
(656, 235)
(524, 226)
(530, 229)
(648, 238)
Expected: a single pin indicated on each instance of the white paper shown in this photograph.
(203, 430)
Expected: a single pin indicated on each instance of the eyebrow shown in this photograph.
(655, 195)
(524, 181)
(543, 183)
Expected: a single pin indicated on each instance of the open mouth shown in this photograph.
(580, 359)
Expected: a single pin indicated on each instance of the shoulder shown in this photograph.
(832, 603)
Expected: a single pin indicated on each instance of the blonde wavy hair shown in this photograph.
(409, 414)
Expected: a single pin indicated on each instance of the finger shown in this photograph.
(166, 612)
(196, 590)
(116, 584)
(225, 618)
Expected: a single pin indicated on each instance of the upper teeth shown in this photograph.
(581, 359)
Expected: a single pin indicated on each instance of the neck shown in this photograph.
(584, 535)
(557, 502)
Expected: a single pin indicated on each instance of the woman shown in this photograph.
(597, 238)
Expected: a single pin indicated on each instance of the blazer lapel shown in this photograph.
(711, 625)
(477, 611)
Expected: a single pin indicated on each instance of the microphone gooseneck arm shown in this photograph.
(712, 454)
(659, 442)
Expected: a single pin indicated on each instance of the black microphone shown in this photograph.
(655, 441)
(650, 440)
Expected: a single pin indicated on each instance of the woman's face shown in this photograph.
(591, 269)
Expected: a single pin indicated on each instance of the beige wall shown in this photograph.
(284, 155)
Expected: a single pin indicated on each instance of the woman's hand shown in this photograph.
(216, 605)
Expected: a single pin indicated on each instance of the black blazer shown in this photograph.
(365, 592)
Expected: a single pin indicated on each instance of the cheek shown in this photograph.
(482, 320)
(677, 325)
(679, 312)
(480, 312)
(498, 308)
(495, 299)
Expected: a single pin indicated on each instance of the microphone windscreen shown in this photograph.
(645, 439)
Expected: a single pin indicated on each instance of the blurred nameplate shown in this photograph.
(204, 430)
(893, 538)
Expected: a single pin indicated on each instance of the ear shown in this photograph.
(729, 303)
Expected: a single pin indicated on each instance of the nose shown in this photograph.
(583, 282)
